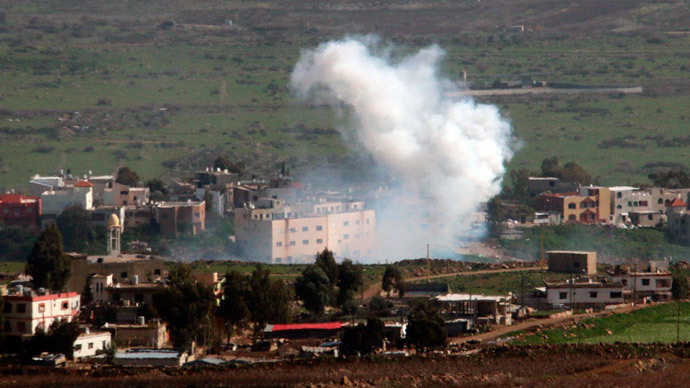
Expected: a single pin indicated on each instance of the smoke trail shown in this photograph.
(446, 154)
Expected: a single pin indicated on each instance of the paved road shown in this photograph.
(376, 288)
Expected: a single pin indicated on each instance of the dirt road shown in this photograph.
(376, 288)
(503, 330)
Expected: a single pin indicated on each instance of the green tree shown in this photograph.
(62, 335)
(520, 181)
(225, 162)
(393, 280)
(314, 289)
(573, 172)
(679, 287)
(350, 280)
(208, 200)
(269, 300)
(349, 308)
(363, 339)
(156, 184)
(186, 305)
(47, 262)
(670, 179)
(495, 216)
(126, 176)
(549, 167)
(233, 307)
(426, 329)
(75, 227)
(326, 262)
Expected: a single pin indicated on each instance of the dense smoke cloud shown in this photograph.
(446, 155)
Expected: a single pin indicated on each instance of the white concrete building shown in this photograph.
(26, 311)
(277, 233)
(644, 284)
(91, 343)
(53, 202)
(584, 292)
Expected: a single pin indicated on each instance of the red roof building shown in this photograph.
(22, 210)
(303, 330)
(26, 311)
(677, 203)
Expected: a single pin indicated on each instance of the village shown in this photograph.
(130, 306)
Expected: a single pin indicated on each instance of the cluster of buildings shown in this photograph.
(586, 288)
(102, 196)
(276, 220)
(622, 206)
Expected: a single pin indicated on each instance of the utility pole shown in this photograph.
(428, 265)
(678, 324)
(541, 261)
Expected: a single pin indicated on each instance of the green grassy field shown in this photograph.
(501, 283)
(166, 100)
(654, 324)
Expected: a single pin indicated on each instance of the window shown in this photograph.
(123, 275)
(8, 327)
(157, 272)
(571, 217)
(196, 215)
(65, 305)
(624, 282)
(77, 348)
(616, 294)
(345, 237)
(21, 327)
(292, 243)
(562, 295)
(645, 282)
(116, 297)
(305, 229)
(552, 184)
(319, 241)
(319, 228)
(619, 195)
(629, 203)
(8, 308)
(90, 345)
(583, 205)
(576, 264)
(21, 307)
(42, 307)
(279, 244)
(650, 217)
(305, 242)
(619, 207)
(635, 203)
(346, 223)
(357, 222)
(660, 201)
(572, 206)
(293, 230)
(139, 298)
(593, 294)
(278, 259)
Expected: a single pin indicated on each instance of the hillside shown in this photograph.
(164, 86)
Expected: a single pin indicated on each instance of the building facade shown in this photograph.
(277, 233)
(53, 202)
(589, 205)
(91, 343)
(573, 262)
(175, 218)
(20, 210)
(26, 311)
(584, 293)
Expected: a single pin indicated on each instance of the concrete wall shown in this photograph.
(572, 262)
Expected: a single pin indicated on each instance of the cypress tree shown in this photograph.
(47, 262)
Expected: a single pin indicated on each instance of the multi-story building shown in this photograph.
(22, 210)
(90, 343)
(123, 267)
(573, 262)
(584, 292)
(181, 217)
(54, 201)
(590, 205)
(626, 199)
(640, 284)
(272, 231)
(26, 311)
(123, 195)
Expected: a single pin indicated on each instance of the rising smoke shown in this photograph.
(445, 154)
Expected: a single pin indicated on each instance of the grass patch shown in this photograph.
(648, 325)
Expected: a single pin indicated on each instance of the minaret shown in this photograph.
(113, 235)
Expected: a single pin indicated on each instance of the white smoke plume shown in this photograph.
(446, 154)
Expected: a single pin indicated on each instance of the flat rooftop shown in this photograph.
(125, 258)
